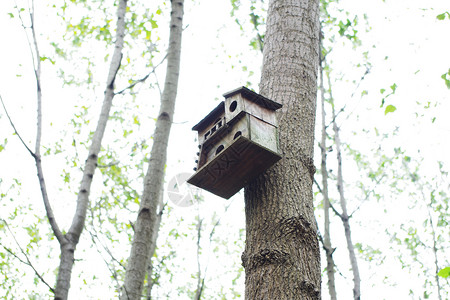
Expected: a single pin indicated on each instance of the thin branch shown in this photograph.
(14, 127)
(108, 165)
(26, 33)
(318, 186)
(319, 235)
(201, 282)
(353, 93)
(331, 205)
(27, 262)
(37, 71)
(143, 79)
(336, 212)
(112, 269)
(36, 155)
(94, 236)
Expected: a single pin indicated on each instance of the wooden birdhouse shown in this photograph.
(238, 140)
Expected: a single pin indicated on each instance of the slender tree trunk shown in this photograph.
(436, 264)
(69, 241)
(344, 215)
(282, 256)
(37, 151)
(326, 201)
(152, 248)
(146, 219)
(200, 279)
(435, 248)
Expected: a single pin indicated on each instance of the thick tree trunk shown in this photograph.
(282, 257)
(344, 215)
(145, 223)
(70, 240)
(326, 201)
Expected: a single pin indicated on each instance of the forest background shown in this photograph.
(386, 65)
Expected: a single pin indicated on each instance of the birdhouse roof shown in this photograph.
(254, 97)
(212, 116)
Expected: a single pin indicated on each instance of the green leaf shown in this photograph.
(382, 91)
(389, 108)
(445, 272)
(442, 16)
(393, 88)
(2, 146)
(154, 24)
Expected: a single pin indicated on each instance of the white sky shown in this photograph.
(406, 32)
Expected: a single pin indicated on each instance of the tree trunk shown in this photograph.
(146, 219)
(69, 241)
(326, 201)
(152, 248)
(282, 257)
(344, 215)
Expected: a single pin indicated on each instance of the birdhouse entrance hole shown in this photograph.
(233, 106)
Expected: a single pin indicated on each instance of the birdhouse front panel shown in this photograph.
(212, 123)
(223, 139)
(237, 143)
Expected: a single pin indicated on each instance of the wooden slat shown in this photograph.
(234, 167)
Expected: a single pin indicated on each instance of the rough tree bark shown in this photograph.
(146, 219)
(344, 214)
(282, 256)
(326, 201)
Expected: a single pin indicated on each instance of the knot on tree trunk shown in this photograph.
(263, 257)
(310, 289)
(294, 225)
(164, 116)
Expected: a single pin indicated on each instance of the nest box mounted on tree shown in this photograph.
(238, 140)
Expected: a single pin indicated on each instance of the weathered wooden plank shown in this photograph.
(234, 167)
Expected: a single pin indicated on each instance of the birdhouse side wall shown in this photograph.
(264, 134)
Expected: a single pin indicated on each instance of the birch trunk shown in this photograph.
(282, 257)
(326, 201)
(152, 248)
(344, 214)
(153, 182)
(70, 240)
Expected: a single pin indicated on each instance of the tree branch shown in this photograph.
(353, 93)
(34, 51)
(27, 262)
(143, 79)
(15, 130)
